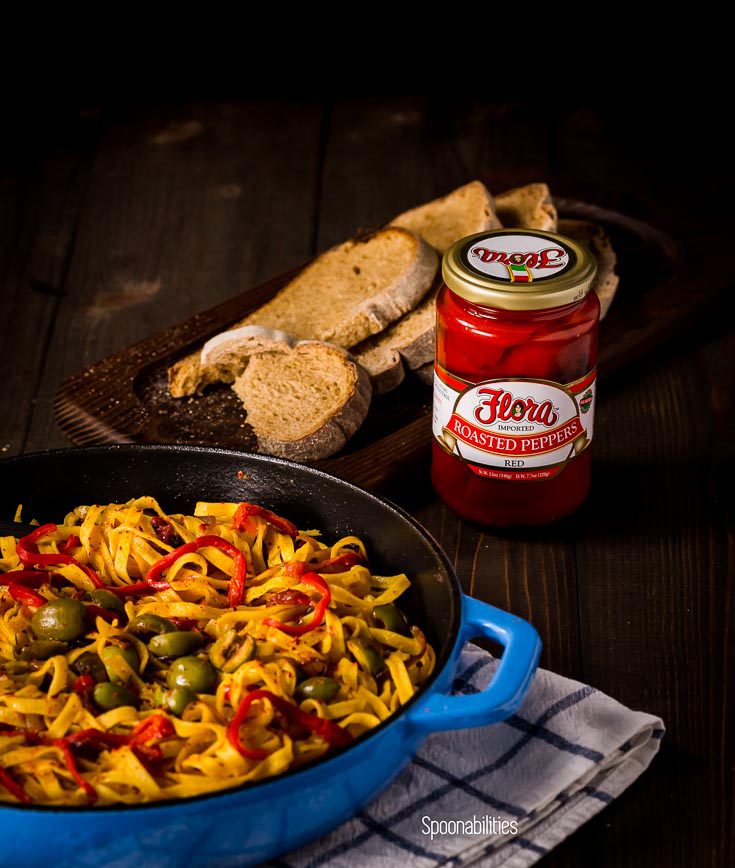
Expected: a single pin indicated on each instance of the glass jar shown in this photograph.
(514, 380)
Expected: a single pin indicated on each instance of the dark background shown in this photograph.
(119, 217)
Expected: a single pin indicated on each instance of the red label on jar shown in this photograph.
(519, 429)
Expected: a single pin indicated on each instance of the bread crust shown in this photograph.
(387, 357)
(414, 217)
(530, 207)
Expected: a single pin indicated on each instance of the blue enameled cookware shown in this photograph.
(255, 822)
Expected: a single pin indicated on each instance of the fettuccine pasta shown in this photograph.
(146, 656)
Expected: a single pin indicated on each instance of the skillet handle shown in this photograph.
(512, 678)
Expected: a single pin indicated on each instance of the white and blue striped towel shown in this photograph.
(545, 771)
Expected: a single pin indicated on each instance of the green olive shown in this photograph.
(108, 696)
(108, 601)
(367, 657)
(42, 649)
(177, 644)
(17, 667)
(149, 624)
(229, 652)
(392, 619)
(319, 687)
(89, 663)
(112, 655)
(63, 620)
(177, 699)
(193, 672)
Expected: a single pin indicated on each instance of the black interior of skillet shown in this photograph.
(49, 484)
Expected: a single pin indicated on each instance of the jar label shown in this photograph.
(518, 257)
(520, 429)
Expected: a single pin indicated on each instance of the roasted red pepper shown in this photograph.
(155, 727)
(237, 582)
(25, 595)
(133, 589)
(340, 564)
(98, 611)
(70, 543)
(83, 684)
(29, 578)
(335, 735)
(65, 747)
(164, 530)
(13, 787)
(241, 519)
(29, 555)
(289, 597)
(316, 581)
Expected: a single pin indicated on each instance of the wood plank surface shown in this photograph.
(41, 199)
(136, 217)
(187, 205)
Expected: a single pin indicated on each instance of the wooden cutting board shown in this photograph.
(124, 398)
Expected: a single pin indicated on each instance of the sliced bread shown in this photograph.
(529, 207)
(407, 344)
(345, 295)
(466, 210)
(593, 236)
(304, 402)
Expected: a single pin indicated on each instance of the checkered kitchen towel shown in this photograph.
(518, 788)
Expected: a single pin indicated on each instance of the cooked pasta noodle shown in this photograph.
(146, 656)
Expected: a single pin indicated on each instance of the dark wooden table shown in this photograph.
(117, 220)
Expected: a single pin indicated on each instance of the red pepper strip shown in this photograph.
(336, 735)
(82, 684)
(98, 611)
(289, 597)
(233, 728)
(71, 764)
(132, 589)
(245, 510)
(190, 625)
(154, 727)
(237, 582)
(13, 787)
(29, 555)
(71, 542)
(317, 582)
(27, 596)
(164, 530)
(30, 578)
(328, 730)
(334, 565)
(340, 564)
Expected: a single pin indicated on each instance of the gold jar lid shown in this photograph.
(519, 269)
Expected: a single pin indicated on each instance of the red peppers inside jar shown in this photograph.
(514, 380)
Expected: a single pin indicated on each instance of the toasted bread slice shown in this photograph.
(407, 344)
(466, 210)
(223, 357)
(529, 207)
(345, 295)
(306, 402)
(593, 236)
